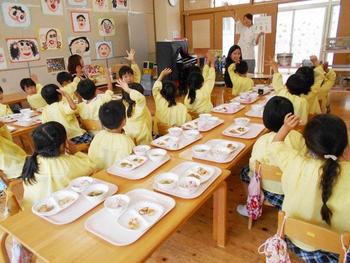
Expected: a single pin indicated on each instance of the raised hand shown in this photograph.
(122, 84)
(165, 72)
(273, 64)
(291, 121)
(131, 55)
(314, 60)
(34, 77)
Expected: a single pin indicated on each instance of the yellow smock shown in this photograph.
(137, 73)
(89, 109)
(36, 101)
(239, 83)
(5, 110)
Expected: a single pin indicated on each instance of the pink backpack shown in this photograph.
(255, 198)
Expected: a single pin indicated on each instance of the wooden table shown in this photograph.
(72, 243)
(14, 98)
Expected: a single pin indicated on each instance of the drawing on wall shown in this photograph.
(116, 4)
(3, 63)
(50, 38)
(52, 7)
(106, 26)
(55, 64)
(77, 2)
(15, 14)
(80, 21)
(100, 5)
(104, 49)
(23, 49)
(79, 45)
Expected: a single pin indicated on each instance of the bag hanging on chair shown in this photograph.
(255, 198)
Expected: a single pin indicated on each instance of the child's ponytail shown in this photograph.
(126, 97)
(29, 169)
(195, 81)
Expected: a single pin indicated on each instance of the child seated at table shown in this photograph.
(200, 87)
(65, 79)
(11, 155)
(4, 109)
(50, 168)
(138, 117)
(274, 113)
(316, 188)
(33, 90)
(63, 111)
(110, 145)
(238, 75)
(295, 87)
(168, 111)
(132, 73)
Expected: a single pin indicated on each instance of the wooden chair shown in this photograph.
(162, 128)
(267, 172)
(227, 95)
(91, 125)
(314, 235)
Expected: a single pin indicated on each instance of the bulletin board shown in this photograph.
(9, 78)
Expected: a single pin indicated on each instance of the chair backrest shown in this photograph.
(14, 194)
(91, 125)
(194, 115)
(162, 128)
(227, 95)
(314, 235)
(268, 172)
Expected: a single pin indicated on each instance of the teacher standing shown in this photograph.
(247, 39)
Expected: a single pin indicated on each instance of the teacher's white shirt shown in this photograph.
(246, 40)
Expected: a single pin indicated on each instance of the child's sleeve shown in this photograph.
(157, 86)
(318, 79)
(107, 96)
(205, 71)
(277, 82)
(81, 165)
(8, 110)
(65, 107)
(140, 99)
(5, 133)
(137, 73)
(233, 76)
(328, 81)
(38, 87)
(209, 82)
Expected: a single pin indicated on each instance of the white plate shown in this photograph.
(238, 99)
(234, 130)
(104, 225)
(212, 157)
(148, 167)
(254, 114)
(79, 208)
(181, 170)
(130, 160)
(219, 109)
(183, 142)
(254, 130)
(193, 125)
(24, 124)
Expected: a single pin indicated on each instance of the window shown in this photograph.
(228, 34)
(218, 3)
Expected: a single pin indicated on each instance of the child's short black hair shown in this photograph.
(112, 114)
(26, 82)
(308, 74)
(1, 90)
(50, 93)
(168, 92)
(242, 67)
(64, 76)
(86, 89)
(275, 111)
(297, 85)
(125, 70)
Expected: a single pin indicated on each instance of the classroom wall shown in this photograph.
(140, 13)
(167, 20)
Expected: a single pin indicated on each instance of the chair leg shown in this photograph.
(250, 223)
(4, 254)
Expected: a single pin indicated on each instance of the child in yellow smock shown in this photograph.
(240, 81)
(138, 124)
(33, 90)
(316, 188)
(65, 79)
(327, 84)
(200, 87)
(110, 145)
(132, 73)
(11, 155)
(4, 109)
(63, 111)
(49, 168)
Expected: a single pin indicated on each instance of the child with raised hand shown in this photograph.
(295, 87)
(63, 111)
(65, 79)
(50, 168)
(138, 117)
(329, 80)
(168, 111)
(316, 189)
(11, 155)
(4, 109)
(110, 145)
(132, 73)
(240, 81)
(200, 87)
(273, 117)
(32, 88)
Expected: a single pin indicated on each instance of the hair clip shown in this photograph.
(330, 156)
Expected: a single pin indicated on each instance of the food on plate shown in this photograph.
(137, 160)
(147, 211)
(95, 193)
(45, 208)
(66, 200)
(231, 146)
(166, 181)
(118, 204)
(125, 165)
(194, 175)
(238, 130)
(133, 223)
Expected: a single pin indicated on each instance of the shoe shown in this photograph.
(242, 210)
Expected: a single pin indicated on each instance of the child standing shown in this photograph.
(33, 90)
(240, 81)
(138, 117)
(200, 87)
(110, 145)
(4, 109)
(130, 74)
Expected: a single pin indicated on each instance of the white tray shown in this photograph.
(180, 170)
(238, 99)
(79, 208)
(254, 130)
(182, 143)
(211, 156)
(140, 172)
(254, 114)
(104, 225)
(194, 124)
(223, 112)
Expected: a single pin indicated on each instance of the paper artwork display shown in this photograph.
(77, 2)
(100, 5)
(117, 4)
(23, 49)
(104, 49)
(80, 21)
(3, 63)
(15, 14)
(79, 45)
(50, 38)
(106, 26)
(262, 24)
(55, 64)
(52, 7)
